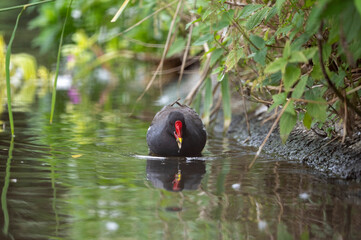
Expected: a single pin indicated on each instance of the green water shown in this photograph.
(88, 176)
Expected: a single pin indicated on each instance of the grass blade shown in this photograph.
(7, 72)
(53, 99)
(116, 16)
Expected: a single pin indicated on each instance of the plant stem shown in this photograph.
(53, 99)
(25, 5)
(7, 73)
(329, 82)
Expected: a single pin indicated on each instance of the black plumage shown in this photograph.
(161, 135)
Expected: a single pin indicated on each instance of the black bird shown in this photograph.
(176, 131)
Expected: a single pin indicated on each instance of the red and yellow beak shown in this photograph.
(178, 133)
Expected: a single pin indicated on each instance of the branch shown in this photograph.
(330, 84)
(235, 4)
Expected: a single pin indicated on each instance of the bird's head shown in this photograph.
(177, 124)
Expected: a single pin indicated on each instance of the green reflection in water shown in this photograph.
(5, 190)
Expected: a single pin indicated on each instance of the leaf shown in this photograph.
(287, 122)
(298, 56)
(224, 22)
(260, 56)
(273, 80)
(276, 65)
(300, 87)
(256, 18)
(316, 70)
(226, 99)
(310, 52)
(318, 110)
(258, 41)
(208, 12)
(358, 6)
(76, 155)
(249, 9)
(176, 47)
(279, 4)
(203, 39)
(271, 14)
(194, 21)
(217, 70)
(278, 99)
(216, 54)
(291, 75)
(287, 50)
(338, 78)
(282, 233)
(233, 58)
(307, 120)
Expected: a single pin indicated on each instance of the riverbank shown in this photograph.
(328, 156)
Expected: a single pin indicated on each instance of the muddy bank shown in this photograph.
(331, 158)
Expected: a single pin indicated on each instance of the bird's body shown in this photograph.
(176, 131)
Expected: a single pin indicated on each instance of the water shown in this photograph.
(88, 176)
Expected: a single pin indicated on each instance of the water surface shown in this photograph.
(89, 176)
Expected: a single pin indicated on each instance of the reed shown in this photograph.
(7, 73)
(53, 99)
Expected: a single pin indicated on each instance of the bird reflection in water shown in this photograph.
(175, 174)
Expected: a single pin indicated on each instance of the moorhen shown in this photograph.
(176, 131)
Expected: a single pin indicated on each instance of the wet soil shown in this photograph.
(328, 156)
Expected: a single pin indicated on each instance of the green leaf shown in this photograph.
(291, 75)
(276, 65)
(316, 73)
(279, 4)
(208, 12)
(260, 56)
(249, 9)
(287, 50)
(176, 47)
(258, 41)
(287, 122)
(338, 78)
(300, 87)
(278, 99)
(224, 22)
(271, 14)
(203, 39)
(217, 70)
(226, 99)
(216, 54)
(282, 233)
(318, 110)
(256, 18)
(194, 21)
(307, 120)
(298, 56)
(309, 52)
(273, 80)
(233, 58)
